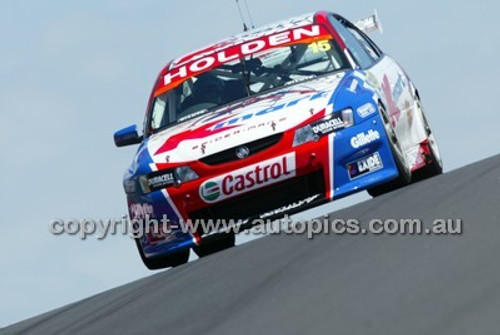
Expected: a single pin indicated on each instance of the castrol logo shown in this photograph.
(249, 178)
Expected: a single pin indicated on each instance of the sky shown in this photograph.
(72, 73)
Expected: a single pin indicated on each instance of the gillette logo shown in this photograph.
(364, 139)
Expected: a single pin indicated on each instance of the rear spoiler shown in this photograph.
(370, 24)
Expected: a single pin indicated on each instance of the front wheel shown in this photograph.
(399, 156)
(161, 262)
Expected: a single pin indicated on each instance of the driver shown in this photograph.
(207, 89)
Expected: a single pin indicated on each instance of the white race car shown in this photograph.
(268, 122)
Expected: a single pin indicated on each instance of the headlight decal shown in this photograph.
(183, 174)
(304, 135)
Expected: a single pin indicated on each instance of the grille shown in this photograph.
(261, 201)
(254, 147)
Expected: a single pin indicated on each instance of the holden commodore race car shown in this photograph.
(270, 122)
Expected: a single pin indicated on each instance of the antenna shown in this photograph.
(245, 28)
(249, 14)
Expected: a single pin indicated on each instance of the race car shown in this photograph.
(270, 122)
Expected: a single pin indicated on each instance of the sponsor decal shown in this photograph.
(354, 85)
(327, 125)
(365, 166)
(210, 191)
(203, 62)
(275, 108)
(394, 111)
(245, 37)
(237, 131)
(364, 139)
(140, 211)
(289, 207)
(366, 110)
(398, 89)
(160, 179)
(372, 80)
(192, 115)
(248, 178)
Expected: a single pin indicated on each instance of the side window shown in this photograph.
(365, 44)
(357, 50)
(370, 42)
(159, 111)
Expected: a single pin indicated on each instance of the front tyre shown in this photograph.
(399, 156)
(162, 262)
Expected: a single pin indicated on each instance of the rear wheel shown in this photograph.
(434, 166)
(161, 262)
(404, 169)
(215, 244)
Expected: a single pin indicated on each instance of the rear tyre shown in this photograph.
(162, 262)
(432, 169)
(434, 166)
(216, 243)
(404, 170)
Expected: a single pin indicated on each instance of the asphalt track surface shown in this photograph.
(356, 284)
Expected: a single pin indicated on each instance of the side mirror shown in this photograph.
(127, 136)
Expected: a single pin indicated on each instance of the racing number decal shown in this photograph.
(323, 46)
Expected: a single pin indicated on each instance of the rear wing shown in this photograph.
(370, 24)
